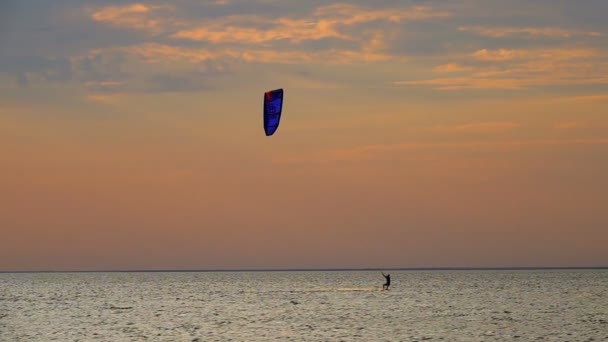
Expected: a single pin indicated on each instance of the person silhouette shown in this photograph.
(388, 281)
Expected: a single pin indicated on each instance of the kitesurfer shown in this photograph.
(388, 281)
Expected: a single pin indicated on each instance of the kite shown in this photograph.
(273, 107)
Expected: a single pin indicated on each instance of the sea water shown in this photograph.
(500, 305)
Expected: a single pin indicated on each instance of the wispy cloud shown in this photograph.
(108, 71)
(228, 30)
(349, 14)
(178, 40)
(522, 69)
(463, 83)
(551, 55)
(258, 38)
(325, 22)
(450, 68)
(108, 99)
(136, 16)
(501, 32)
(330, 21)
(161, 53)
(156, 53)
(587, 98)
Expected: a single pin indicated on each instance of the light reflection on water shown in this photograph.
(556, 305)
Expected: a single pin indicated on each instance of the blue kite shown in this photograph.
(273, 107)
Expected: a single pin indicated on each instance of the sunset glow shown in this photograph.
(414, 134)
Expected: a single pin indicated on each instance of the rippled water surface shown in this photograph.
(550, 305)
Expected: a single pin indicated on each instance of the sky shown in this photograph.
(458, 133)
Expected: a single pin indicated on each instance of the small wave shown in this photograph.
(120, 307)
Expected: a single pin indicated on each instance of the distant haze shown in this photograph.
(414, 134)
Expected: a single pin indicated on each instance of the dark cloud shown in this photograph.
(166, 83)
(101, 67)
(30, 68)
(106, 87)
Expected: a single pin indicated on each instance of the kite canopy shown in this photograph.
(273, 106)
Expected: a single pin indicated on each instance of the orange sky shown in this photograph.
(413, 135)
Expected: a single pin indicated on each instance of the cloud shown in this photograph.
(501, 32)
(499, 55)
(100, 67)
(153, 83)
(111, 71)
(162, 53)
(28, 69)
(136, 41)
(325, 22)
(530, 54)
(261, 38)
(228, 31)
(466, 83)
(107, 99)
(451, 67)
(587, 98)
(156, 53)
(216, 36)
(501, 83)
(163, 83)
(136, 16)
(350, 14)
(521, 69)
(104, 86)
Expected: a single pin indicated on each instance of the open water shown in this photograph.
(531, 305)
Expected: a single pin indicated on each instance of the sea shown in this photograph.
(420, 305)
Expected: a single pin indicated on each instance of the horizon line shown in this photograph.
(338, 269)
